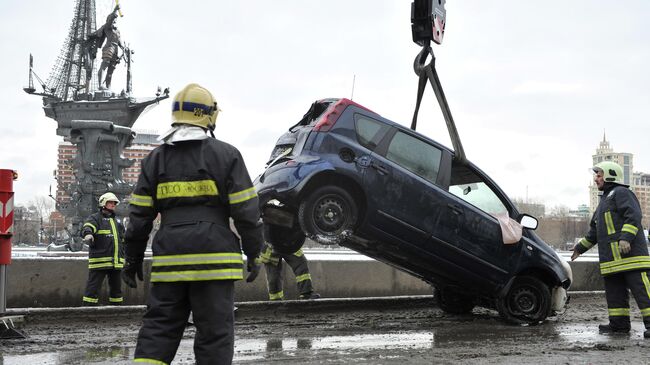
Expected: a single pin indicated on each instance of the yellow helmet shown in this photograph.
(108, 197)
(195, 105)
(612, 172)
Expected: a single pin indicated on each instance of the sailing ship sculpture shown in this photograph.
(78, 96)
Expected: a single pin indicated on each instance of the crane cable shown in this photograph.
(428, 71)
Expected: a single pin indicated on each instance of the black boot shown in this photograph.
(310, 295)
(608, 328)
(646, 334)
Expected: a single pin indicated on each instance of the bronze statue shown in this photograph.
(109, 33)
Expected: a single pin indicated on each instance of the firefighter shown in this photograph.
(283, 244)
(622, 249)
(197, 184)
(103, 233)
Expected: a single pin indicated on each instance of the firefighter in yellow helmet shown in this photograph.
(622, 248)
(197, 184)
(103, 232)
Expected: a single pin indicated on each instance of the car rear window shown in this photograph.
(415, 155)
(369, 131)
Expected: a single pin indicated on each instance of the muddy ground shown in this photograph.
(353, 331)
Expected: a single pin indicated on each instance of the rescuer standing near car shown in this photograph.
(287, 248)
(197, 184)
(622, 249)
(103, 233)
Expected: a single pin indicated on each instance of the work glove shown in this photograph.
(624, 246)
(132, 267)
(575, 253)
(253, 268)
(89, 238)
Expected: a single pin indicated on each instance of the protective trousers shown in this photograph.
(618, 303)
(275, 274)
(168, 307)
(94, 284)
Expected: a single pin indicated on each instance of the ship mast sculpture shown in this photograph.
(89, 115)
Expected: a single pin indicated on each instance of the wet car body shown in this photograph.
(346, 175)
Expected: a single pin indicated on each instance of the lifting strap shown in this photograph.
(425, 72)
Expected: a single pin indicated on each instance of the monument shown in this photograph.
(78, 96)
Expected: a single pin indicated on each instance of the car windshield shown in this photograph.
(470, 187)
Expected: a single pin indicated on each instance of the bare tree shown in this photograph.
(44, 206)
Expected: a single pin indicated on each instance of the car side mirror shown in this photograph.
(528, 221)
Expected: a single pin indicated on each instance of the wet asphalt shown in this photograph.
(403, 330)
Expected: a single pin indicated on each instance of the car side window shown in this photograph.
(480, 195)
(369, 131)
(415, 155)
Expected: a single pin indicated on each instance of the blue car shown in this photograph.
(345, 175)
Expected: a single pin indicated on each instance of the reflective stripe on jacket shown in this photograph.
(106, 251)
(617, 217)
(196, 186)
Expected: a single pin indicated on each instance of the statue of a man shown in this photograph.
(109, 33)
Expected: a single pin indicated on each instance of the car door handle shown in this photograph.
(383, 170)
(457, 209)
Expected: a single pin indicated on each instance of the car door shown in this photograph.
(405, 198)
(477, 201)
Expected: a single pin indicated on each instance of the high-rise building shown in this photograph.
(639, 182)
(142, 144)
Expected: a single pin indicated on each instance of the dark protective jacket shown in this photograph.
(617, 217)
(106, 251)
(196, 186)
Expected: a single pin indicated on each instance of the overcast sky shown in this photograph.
(532, 85)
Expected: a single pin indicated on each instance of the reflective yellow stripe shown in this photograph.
(268, 257)
(298, 253)
(99, 266)
(625, 264)
(627, 260)
(116, 300)
(276, 296)
(198, 259)
(645, 312)
(586, 244)
(91, 226)
(303, 277)
(630, 229)
(609, 223)
(90, 300)
(242, 196)
(186, 189)
(618, 312)
(197, 275)
(141, 200)
(100, 259)
(103, 231)
(616, 252)
(149, 361)
(116, 243)
(646, 282)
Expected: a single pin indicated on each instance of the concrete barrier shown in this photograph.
(60, 281)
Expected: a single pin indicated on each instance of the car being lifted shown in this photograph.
(343, 174)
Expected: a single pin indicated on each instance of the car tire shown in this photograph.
(453, 302)
(528, 301)
(284, 240)
(326, 213)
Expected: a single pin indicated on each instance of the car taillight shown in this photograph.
(330, 117)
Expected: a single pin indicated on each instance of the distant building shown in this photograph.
(639, 182)
(581, 212)
(142, 144)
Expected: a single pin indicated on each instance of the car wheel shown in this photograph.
(453, 302)
(284, 240)
(528, 301)
(326, 213)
